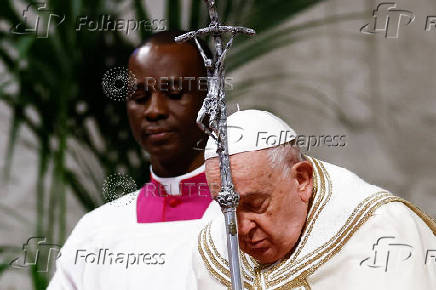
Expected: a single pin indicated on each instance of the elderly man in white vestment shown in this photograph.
(308, 224)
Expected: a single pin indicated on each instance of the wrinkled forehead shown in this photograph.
(249, 170)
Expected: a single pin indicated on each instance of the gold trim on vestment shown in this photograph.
(294, 271)
(339, 240)
(430, 222)
(214, 260)
(296, 283)
(317, 207)
(320, 200)
(221, 278)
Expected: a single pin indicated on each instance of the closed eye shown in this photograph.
(140, 97)
(141, 94)
(175, 95)
(257, 205)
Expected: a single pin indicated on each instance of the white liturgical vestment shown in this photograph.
(109, 249)
(357, 237)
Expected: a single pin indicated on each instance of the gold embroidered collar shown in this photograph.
(293, 271)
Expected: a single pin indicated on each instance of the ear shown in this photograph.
(302, 172)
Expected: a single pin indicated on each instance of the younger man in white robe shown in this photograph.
(145, 237)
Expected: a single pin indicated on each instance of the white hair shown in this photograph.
(284, 157)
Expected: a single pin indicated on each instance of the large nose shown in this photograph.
(246, 225)
(157, 107)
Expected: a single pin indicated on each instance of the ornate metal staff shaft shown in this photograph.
(214, 107)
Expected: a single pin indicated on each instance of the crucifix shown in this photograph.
(212, 118)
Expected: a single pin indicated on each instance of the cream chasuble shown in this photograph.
(357, 236)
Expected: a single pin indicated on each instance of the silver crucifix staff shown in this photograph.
(214, 108)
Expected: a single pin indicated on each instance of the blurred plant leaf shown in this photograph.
(141, 13)
(13, 213)
(8, 13)
(3, 268)
(13, 132)
(39, 279)
(263, 43)
(263, 15)
(7, 254)
(195, 14)
(173, 10)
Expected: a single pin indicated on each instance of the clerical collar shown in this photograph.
(172, 184)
